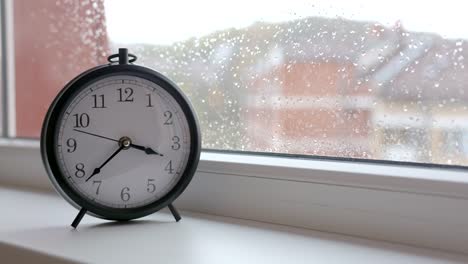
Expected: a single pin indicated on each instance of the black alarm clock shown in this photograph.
(120, 141)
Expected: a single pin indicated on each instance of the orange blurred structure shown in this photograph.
(54, 42)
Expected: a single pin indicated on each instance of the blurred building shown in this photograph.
(361, 90)
(54, 42)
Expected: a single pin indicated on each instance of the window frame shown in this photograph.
(415, 205)
(8, 99)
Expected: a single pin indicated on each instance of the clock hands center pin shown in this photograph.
(147, 150)
(124, 143)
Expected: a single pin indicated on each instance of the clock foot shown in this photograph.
(78, 218)
(174, 212)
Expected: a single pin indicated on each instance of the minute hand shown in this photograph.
(147, 150)
(98, 170)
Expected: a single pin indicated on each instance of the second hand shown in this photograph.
(147, 150)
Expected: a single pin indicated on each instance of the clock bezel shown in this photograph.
(52, 120)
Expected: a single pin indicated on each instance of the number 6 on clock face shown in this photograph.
(121, 141)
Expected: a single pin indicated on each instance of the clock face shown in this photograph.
(121, 141)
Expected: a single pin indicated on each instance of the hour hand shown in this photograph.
(147, 150)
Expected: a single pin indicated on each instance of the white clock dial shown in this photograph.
(134, 111)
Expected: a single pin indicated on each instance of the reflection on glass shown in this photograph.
(350, 80)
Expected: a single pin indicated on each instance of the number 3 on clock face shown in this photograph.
(124, 145)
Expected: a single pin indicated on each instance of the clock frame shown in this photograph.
(122, 66)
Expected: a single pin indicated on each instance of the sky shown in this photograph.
(166, 22)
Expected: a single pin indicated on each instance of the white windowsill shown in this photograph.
(424, 207)
(37, 230)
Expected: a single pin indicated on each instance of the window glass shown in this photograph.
(379, 80)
